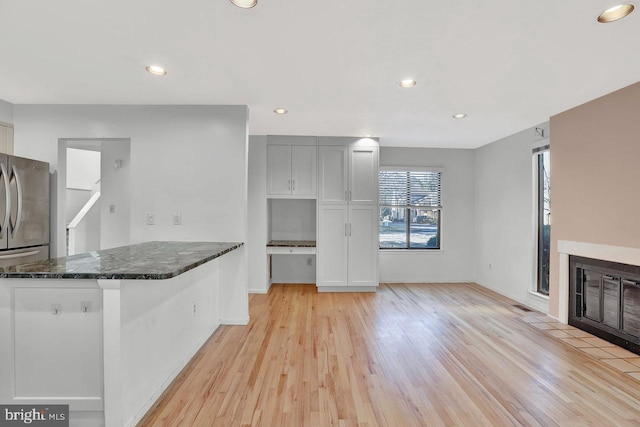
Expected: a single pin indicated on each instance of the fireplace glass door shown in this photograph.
(611, 301)
(631, 307)
(592, 295)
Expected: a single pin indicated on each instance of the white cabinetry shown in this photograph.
(333, 174)
(347, 214)
(6, 138)
(291, 167)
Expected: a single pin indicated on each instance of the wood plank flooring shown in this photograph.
(408, 355)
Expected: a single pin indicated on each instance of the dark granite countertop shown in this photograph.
(292, 243)
(144, 261)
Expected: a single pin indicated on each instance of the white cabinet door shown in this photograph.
(332, 246)
(278, 169)
(304, 170)
(363, 175)
(4, 139)
(363, 246)
(333, 166)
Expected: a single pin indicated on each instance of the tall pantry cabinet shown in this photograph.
(347, 247)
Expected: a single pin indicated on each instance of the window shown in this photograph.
(410, 209)
(543, 218)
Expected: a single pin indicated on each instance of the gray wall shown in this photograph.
(114, 188)
(504, 219)
(454, 262)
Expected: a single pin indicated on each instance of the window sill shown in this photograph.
(539, 295)
(410, 251)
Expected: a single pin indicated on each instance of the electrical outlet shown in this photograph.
(489, 266)
(177, 218)
(194, 309)
(309, 261)
(151, 218)
(112, 208)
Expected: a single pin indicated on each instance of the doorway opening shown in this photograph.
(93, 195)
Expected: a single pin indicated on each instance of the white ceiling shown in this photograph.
(334, 64)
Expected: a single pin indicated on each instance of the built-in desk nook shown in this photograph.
(106, 332)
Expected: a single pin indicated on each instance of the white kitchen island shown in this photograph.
(106, 332)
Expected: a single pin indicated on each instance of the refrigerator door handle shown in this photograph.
(20, 254)
(16, 226)
(7, 195)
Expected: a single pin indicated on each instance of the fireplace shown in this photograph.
(604, 300)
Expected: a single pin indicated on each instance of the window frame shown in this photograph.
(539, 212)
(409, 208)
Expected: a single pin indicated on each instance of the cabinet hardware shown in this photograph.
(293, 185)
(346, 197)
(349, 195)
(289, 184)
(56, 309)
(345, 229)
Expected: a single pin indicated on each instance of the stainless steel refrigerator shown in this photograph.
(24, 210)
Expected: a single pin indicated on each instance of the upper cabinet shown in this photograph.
(333, 174)
(348, 172)
(291, 167)
(6, 138)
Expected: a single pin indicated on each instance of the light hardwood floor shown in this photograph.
(408, 355)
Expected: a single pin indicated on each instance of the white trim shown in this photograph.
(347, 288)
(603, 252)
(541, 143)
(112, 351)
(412, 168)
(399, 251)
(238, 322)
(259, 291)
(291, 282)
(538, 301)
(589, 250)
(533, 286)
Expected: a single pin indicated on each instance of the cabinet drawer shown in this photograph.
(283, 250)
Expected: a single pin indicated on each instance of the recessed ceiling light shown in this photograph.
(156, 70)
(459, 116)
(245, 4)
(280, 110)
(614, 13)
(408, 83)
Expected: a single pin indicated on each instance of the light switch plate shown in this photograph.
(112, 208)
(151, 218)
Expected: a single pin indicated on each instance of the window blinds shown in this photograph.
(410, 188)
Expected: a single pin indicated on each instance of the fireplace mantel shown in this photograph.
(589, 250)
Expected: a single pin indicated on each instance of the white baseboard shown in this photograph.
(347, 288)
(238, 322)
(293, 281)
(172, 376)
(259, 291)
